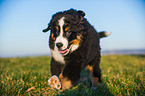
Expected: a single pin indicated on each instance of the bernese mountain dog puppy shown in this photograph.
(74, 45)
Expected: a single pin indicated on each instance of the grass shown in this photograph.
(121, 75)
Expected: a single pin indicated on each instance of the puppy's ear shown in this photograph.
(82, 14)
(47, 29)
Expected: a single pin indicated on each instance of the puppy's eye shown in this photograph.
(68, 34)
(57, 33)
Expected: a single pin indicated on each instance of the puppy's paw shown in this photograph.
(54, 82)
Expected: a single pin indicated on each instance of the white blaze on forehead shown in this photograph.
(61, 38)
(61, 23)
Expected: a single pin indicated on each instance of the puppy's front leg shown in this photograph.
(70, 75)
(66, 83)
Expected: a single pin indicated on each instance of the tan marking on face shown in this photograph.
(66, 83)
(57, 27)
(52, 36)
(76, 41)
(95, 80)
(66, 29)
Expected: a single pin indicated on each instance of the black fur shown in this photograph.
(88, 52)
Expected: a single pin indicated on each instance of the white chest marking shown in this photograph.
(57, 56)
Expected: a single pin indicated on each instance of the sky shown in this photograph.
(22, 22)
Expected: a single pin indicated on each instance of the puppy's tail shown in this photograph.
(104, 34)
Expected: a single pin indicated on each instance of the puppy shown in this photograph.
(74, 45)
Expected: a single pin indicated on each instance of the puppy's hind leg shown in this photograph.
(95, 72)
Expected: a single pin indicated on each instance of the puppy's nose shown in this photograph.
(59, 45)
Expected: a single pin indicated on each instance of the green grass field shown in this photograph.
(121, 75)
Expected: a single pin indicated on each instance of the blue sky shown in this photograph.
(22, 22)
